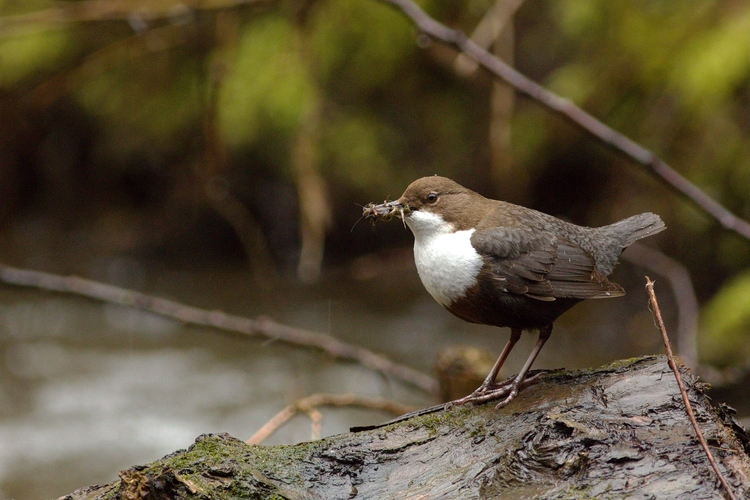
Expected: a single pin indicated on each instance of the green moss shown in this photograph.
(111, 494)
(455, 418)
(278, 458)
(623, 363)
(195, 464)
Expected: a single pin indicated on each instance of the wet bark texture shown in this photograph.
(614, 432)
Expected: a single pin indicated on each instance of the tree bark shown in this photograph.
(614, 432)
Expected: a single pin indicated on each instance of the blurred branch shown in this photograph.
(217, 164)
(310, 404)
(487, 31)
(220, 197)
(261, 327)
(502, 103)
(312, 191)
(496, 30)
(113, 10)
(567, 109)
(315, 211)
(684, 293)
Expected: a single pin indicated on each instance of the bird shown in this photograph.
(495, 263)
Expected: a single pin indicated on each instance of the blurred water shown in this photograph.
(88, 389)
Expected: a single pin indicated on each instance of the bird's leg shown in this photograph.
(544, 335)
(515, 334)
(489, 390)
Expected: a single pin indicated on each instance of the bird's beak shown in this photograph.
(386, 210)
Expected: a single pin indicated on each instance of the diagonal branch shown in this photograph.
(487, 31)
(567, 109)
(261, 327)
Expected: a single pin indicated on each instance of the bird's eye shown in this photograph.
(432, 197)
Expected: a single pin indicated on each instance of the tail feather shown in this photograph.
(639, 226)
(621, 235)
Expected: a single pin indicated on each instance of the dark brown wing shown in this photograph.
(541, 265)
(574, 275)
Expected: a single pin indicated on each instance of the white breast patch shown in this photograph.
(446, 261)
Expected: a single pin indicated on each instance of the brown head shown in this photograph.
(456, 204)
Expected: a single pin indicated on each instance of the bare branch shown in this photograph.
(261, 327)
(310, 404)
(673, 365)
(487, 31)
(567, 109)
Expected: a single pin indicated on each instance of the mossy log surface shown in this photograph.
(619, 431)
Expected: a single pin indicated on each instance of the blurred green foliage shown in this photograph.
(151, 113)
(725, 324)
(712, 65)
(269, 84)
(674, 76)
(22, 56)
(365, 45)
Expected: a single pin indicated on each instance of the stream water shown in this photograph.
(88, 389)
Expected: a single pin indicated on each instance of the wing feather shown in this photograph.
(540, 265)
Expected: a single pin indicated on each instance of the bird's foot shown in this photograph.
(510, 397)
(490, 392)
(508, 388)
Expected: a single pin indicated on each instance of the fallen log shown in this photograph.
(613, 432)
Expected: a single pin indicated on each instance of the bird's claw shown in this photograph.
(508, 388)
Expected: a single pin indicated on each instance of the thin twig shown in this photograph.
(310, 404)
(567, 109)
(261, 327)
(673, 365)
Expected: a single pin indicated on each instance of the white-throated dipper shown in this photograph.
(495, 263)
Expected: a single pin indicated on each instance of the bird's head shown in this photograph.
(429, 204)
